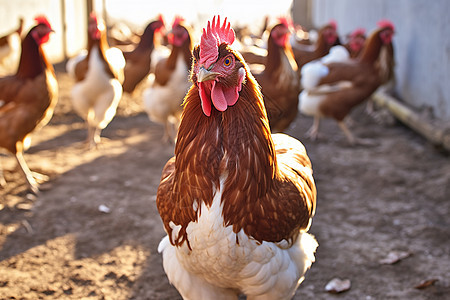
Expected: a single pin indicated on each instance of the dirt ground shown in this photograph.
(93, 231)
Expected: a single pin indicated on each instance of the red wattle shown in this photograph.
(205, 99)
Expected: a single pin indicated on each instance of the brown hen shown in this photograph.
(333, 89)
(279, 81)
(27, 99)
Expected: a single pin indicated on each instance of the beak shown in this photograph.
(205, 75)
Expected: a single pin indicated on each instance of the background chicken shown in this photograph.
(163, 98)
(236, 201)
(333, 89)
(99, 75)
(10, 50)
(138, 61)
(279, 81)
(355, 42)
(327, 38)
(27, 99)
(385, 63)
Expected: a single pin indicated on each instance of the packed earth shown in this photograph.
(382, 218)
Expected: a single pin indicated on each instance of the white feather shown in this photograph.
(96, 98)
(337, 53)
(163, 102)
(116, 60)
(308, 104)
(312, 72)
(315, 70)
(10, 54)
(72, 62)
(218, 268)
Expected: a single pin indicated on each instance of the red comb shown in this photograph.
(333, 24)
(384, 23)
(93, 15)
(41, 19)
(285, 21)
(161, 18)
(177, 21)
(358, 31)
(213, 36)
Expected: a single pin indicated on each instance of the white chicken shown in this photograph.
(98, 72)
(163, 98)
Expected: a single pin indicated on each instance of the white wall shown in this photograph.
(11, 10)
(421, 41)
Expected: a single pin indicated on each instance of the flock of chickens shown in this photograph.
(238, 197)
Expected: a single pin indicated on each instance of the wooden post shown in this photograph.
(89, 7)
(435, 133)
(64, 29)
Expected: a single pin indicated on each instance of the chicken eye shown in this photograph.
(227, 61)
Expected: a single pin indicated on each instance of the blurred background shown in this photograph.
(422, 30)
(423, 46)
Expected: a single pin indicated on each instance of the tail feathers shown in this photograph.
(312, 72)
(72, 62)
(305, 257)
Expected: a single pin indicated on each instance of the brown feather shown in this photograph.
(30, 96)
(280, 85)
(264, 194)
(363, 73)
(306, 53)
(139, 59)
(165, 67)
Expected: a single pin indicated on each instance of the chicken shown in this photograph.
(386, 61)
(279, 81)
(120, 35)
(10, 49)
(99, 75)
(333, 89)
(138, 61)
(27, 99)
(327, 38)
(163, 98)
(236, 202)
(355, 43)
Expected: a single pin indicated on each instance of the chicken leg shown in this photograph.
(313, 132)
(2, 178)
(26, 171)
(352, 139)
(93, 138)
